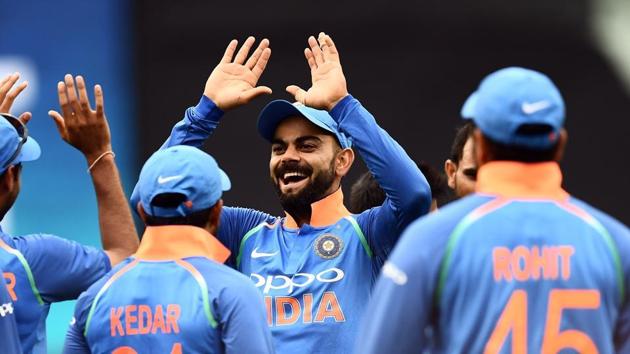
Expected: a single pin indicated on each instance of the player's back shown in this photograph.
(526, 276)
(177, 306)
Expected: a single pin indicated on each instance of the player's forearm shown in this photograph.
(118, 232)
(397, 174)
(198, 123)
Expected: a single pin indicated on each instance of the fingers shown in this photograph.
(328, 47)
(253, 59)
(261, 64)
(5, 105)
(316, 50)
(72, 94)
(298, 93)
(64, 103)
(253, 93)
(25, 117)
(242, 53)
(83, 96)
(7, 83)
(59, 122)
(310, 59)
(100, 101)
(229, 51)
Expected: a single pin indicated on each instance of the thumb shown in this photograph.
(25, 117)
(59, 122)
(254, 92)
(298, 93)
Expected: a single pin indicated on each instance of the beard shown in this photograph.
(298, 204)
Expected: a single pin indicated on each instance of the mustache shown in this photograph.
(293, 166)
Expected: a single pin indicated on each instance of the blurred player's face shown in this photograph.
(462, 175)
(9, 188)
(302, 163)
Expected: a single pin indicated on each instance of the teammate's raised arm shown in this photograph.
(87, 130)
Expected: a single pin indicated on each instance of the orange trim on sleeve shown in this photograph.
(324, 212)
(512, 179)
(180, 241)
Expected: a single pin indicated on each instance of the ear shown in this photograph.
(343, 161)
(562, 143)
(450, 168)
(141, 212)
(10, 178)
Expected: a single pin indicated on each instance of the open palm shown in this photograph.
(233, 82)
(327, 78)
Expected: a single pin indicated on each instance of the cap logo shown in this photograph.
(531, 108)
(162, 180)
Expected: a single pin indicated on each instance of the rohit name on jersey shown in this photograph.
(286, 310)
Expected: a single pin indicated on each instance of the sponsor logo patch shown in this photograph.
(328, 246)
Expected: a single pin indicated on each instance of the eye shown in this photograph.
(308, 147)
(277, 149)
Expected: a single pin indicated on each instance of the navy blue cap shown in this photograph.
(278, 110)
(184, 170)
(511, 98)
(11, 140)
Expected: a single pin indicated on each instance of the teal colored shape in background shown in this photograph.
(45, 40)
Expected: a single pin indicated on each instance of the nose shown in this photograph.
(291, 154)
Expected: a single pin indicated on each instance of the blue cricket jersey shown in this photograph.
(9, 339)
(519, 267)
(315, 279)
(42, 269)
(173, 296)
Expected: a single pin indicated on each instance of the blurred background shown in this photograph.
(411, 63)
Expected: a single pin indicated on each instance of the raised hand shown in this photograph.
(81, 126)
(328, 82)
(233, 82)
(8, 95)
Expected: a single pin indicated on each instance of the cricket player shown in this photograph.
(315, 266)
(9, 339)
(460, 168)
(174, 295)
(41, 269)
(518, 267)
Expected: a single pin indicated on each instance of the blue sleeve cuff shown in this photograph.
(339, 108)
(206, 109)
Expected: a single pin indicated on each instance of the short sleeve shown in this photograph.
(61, 268)
(75, 342)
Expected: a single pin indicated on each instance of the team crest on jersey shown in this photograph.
(328, 246)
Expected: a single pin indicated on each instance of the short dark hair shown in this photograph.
(502, 152)
(366, 193)
(172, 200)
(462, 134)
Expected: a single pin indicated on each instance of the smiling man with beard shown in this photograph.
(315, 266)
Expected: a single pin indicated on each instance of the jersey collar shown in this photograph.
(324, 212)
(175, 242)
(521, 180)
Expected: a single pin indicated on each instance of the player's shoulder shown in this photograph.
(242, 212)
(218, 275)
(612, 225)
(445, 219)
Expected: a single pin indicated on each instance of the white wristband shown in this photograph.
(99, 159)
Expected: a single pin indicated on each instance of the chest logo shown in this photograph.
(256, 254)
(328, 246)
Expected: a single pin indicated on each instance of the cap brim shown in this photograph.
(225, 181)
(278, 110)
(468, 109)
(30, 151)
